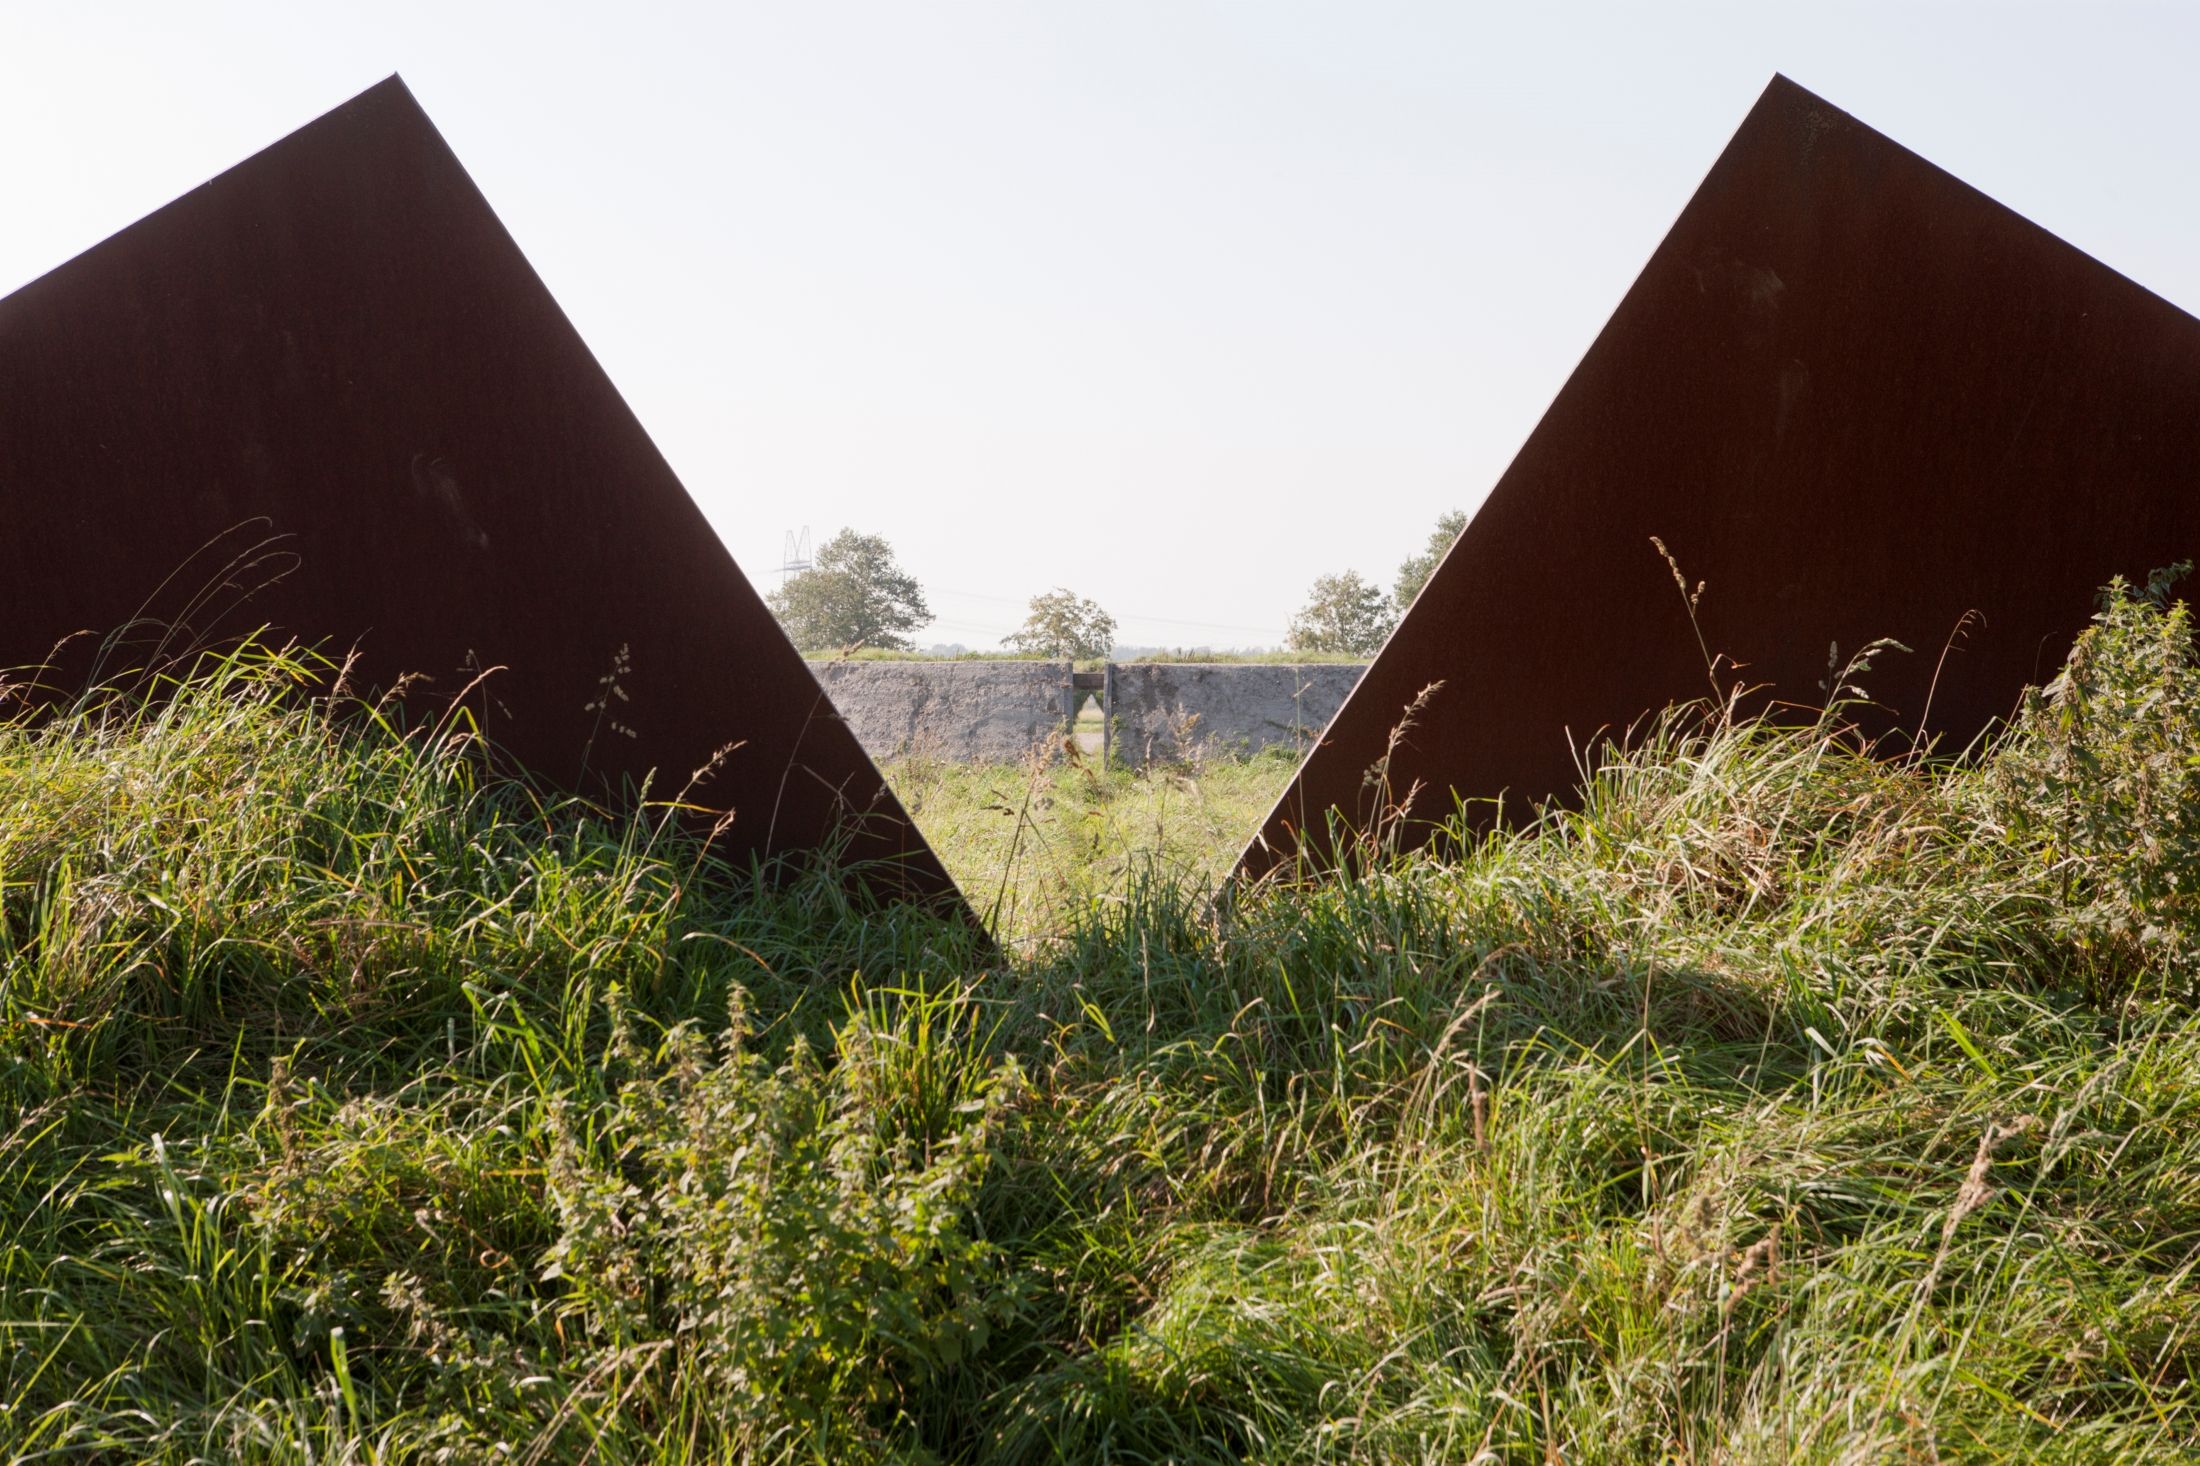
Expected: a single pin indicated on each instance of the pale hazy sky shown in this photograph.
(1178, 304)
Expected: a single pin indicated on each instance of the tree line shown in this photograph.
(1345, 613)
(856, 595)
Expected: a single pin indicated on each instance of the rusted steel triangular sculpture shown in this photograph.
(1854, 396)
(335, 352)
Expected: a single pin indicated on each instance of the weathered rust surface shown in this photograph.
(1855, 397)
(333, 362)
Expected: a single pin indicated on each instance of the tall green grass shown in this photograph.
(1037, 844)
(1777, 1103)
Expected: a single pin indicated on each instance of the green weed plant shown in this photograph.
(1782, 1100)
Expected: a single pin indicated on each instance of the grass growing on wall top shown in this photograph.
(1777, 1104)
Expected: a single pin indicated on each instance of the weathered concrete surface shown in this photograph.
(966, 712)
(1168, 711)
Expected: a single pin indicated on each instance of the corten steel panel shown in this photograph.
(1856, 397)
(335, 349)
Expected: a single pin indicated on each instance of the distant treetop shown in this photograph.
(1416, 570)
(854, 595)
(1062, 624)
(1343, 613)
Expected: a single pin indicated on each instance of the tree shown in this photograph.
(1414, 573)
(853, 595)
(1064, 625)
(1343, 613)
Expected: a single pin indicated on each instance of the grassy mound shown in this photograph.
(1776, 1104)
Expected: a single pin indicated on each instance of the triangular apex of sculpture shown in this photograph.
(1855, 398)
(332, 361)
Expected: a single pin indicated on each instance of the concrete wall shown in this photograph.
(967, 712)
(1166, 711)
(996, 712)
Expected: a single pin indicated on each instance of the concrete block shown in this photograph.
(965, 712)
(1170, 711)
